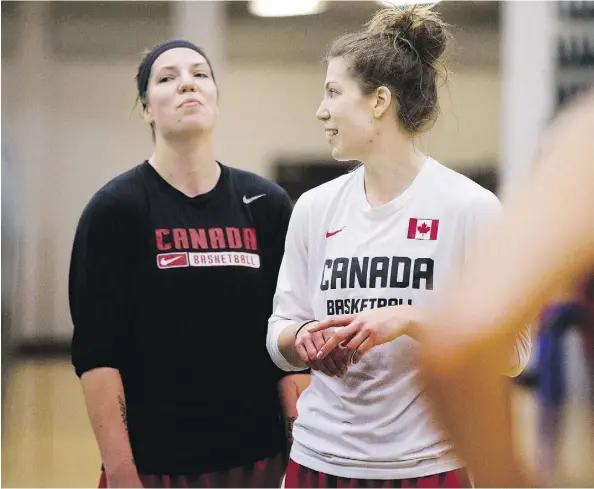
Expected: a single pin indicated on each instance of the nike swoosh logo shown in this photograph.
(168, 261)
(249, 200)
(333, 233)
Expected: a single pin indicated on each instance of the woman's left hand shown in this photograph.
(359, 333)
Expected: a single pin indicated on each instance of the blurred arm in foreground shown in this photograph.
(545, 240)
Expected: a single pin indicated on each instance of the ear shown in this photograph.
(383, 98)
(147, 114)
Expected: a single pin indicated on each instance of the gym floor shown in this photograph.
(47, 440)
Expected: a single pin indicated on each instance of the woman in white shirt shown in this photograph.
(372, 243)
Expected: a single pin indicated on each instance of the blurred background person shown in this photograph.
(568, 311)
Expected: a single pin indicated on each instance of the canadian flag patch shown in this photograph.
(423, 228)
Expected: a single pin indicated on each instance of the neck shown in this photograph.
(391, 168)
(188, 166)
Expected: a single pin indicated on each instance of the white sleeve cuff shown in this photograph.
(274, 332)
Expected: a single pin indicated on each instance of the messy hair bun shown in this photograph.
(418, 27)
(400, 49)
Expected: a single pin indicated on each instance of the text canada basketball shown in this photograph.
(212, 247)
(229, 238)
(396, 272)
(399, 272)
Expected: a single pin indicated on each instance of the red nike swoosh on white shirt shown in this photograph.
(329, 234)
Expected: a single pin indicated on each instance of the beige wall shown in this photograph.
(71, 126)
(270, 112)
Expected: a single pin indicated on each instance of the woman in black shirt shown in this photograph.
(173, 271)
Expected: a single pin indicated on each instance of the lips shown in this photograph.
(330, 133)
(190, 102)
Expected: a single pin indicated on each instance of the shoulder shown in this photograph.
(117, 198)
(126, 184)
(313, 207)
(460, 191)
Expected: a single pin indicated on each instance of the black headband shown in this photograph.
(145, 69)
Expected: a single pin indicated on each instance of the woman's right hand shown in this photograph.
(307, 346)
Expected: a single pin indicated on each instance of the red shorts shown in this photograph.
(299, 476)
(264, 473)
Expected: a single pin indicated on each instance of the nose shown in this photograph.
(187, 83)
(322, 113)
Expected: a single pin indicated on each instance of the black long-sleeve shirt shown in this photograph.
(175, 293)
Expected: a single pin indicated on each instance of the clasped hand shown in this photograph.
(308, 343)
(331, 345)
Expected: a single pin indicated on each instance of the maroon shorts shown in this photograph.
(264, 473)
(299, 476)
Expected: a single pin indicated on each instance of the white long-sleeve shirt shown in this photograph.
(341, 257)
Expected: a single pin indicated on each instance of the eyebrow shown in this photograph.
(174, 67)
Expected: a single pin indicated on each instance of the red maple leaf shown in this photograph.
(423, 228)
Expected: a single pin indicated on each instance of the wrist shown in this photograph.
(303, 326)
(120, 468)
(414, 327)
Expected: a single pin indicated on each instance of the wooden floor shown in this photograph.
(47, 440)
